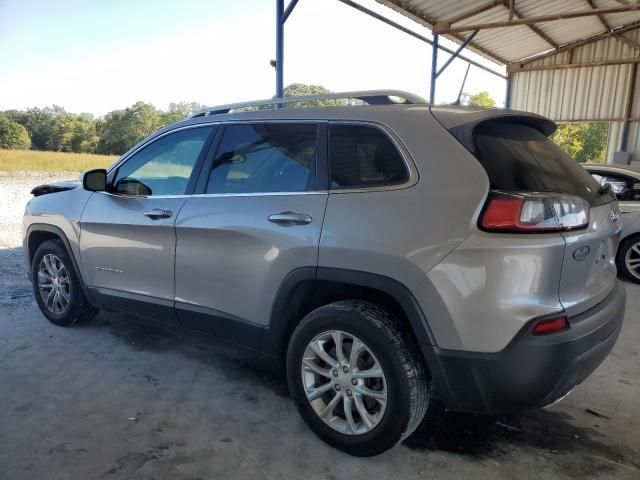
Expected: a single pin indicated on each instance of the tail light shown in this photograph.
(534, 212)
(550, 326)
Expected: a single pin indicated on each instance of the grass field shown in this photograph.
(36, 161)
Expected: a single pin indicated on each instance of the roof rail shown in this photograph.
(372, 97)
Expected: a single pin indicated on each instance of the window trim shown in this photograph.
(322, 169)
(112, 173)
(395, 141)
(315, 183)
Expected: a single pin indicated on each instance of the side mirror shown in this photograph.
(95, 180)
(231, 158)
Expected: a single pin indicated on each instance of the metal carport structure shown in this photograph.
(570, 60)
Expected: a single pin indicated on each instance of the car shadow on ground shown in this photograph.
(463, 434)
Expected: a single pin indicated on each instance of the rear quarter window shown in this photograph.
(363, 156)
(519, 158)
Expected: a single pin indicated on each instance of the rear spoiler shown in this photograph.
(462, 121)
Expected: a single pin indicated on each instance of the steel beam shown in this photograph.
(507, 93)
(533, 28)
(434, 66)
(281, 17)
(422, 38)
(464, 81)
(400, 7)
(279, 48)
(289, 9)
(624, 137)
(446, 27)
(517, 67)
(580, 43)
(474, 11)
(456, 54)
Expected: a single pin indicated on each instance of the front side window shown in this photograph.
(363, 156)
(163, 167)
(263, 157)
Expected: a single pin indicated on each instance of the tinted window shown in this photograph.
(519, 158)
(361, 156)
(262, 158)
(622, 186)
(163, 167)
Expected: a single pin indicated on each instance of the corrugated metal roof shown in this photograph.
(597, 93)
(515, 43)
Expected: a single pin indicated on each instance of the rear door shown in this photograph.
(128, 239)
(256, 219)
(519, 158)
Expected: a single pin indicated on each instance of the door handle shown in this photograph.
(288, 219)
(157, 213)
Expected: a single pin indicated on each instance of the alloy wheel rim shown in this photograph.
(632, 260)
(344, 382)
(53, 284)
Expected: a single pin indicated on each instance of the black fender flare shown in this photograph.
(274, 339)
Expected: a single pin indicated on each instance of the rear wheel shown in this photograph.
(56, 286)
(357, 379)
(629, 258)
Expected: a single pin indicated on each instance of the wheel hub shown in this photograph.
(344, 382)
(53, 284)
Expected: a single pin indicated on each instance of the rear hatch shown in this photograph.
(550, 193)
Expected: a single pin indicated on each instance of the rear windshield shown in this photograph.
(520, 158)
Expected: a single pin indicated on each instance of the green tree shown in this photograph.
(180, 111)
(303, 90)
(584, 142)
(13, 135)
(122, 129)
(480, 99)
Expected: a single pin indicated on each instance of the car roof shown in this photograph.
(459, 120)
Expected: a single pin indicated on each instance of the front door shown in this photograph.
(127, 238)
(258, 218)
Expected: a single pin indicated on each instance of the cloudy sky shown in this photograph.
(96, 56)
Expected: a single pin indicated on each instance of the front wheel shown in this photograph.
(359, 382)
(629, 258)
(56, 286)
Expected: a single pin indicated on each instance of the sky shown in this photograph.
(97, 56)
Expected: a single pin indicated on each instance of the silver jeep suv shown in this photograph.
(387, 251)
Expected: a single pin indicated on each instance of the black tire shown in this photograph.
(407, 381)
(626, 247)
(78, 309)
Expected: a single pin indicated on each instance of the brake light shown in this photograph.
(534, 212)
(550, 326)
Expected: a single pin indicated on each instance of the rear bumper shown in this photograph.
(532, 371)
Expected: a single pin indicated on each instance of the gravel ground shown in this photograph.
(119, 398)
(14, 194)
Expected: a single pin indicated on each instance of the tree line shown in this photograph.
(54, 129)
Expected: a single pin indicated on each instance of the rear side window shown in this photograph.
(262, 158)
(363, 156)
(519, 158)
